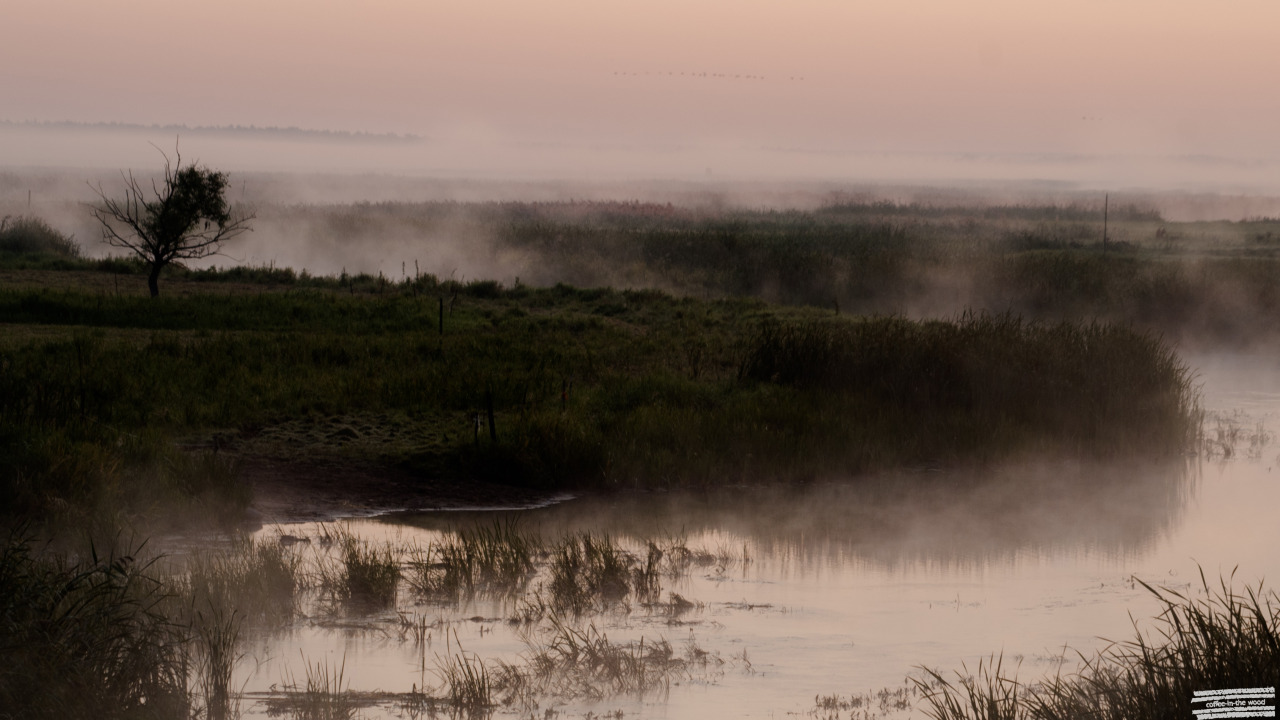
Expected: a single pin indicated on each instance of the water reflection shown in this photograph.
(850, 586)
(919, 521)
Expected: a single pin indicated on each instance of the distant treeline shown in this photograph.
(273, 132)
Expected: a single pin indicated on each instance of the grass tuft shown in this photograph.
(495, 560)
(363, 574)
(1225, 639)
(88, 638)
(323, 696)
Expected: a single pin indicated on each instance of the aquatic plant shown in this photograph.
(216, 634)
(362, 573)
(496, 559)
(89, 637)
(568, 661)
(1225, 639)
(466, 678)
(1009, 383)
(589, 571)
(257, 579)
(323, 696)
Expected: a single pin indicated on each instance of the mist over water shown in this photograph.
(848, 588)
(492, 140)
(828, 587)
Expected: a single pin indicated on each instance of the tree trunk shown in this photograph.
(153, 280)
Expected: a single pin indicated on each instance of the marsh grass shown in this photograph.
(1222, 639)
(991, 381)
(591, 572)
(576, 575)
(30, 237)
(864, 705)
(465, 677)
(216, 634)
(322, 696)
(495, 560)
(987, 693)
(572, 662)
(120, 634)
(83, 473)
(580, 398)
(91, 637)
(259, 580)
(359, 573)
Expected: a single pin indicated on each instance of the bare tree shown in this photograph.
(183, 217)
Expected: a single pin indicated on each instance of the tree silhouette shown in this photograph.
(184, 217)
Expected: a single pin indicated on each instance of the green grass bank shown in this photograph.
(548, 388)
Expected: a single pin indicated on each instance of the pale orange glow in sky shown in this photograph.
(1132, 78)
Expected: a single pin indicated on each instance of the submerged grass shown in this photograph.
(259, 580)
(92, 637)
(496, 560)
(217, 634)
(590, 573)
(465, 677)
(1224, 639)
(575, 575)
(363, 574)
(572, 662)
(322, 696)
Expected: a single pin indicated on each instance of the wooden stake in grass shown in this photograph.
(1105, 201)
(488, 404)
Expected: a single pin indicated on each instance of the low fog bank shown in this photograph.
(1190, 265)
(501, 160)
(60, 195)
(954, 519)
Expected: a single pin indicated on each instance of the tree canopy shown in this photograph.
(184, 216)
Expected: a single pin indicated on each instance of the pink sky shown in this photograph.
(560, 85)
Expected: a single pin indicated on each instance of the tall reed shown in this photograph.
(1225, 639)
(88, 638)
(496, 559)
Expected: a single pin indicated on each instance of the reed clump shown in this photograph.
(592, 572)
(216, 636)
(362, 574)
(1224, 639)
(323, 695)
(468, 683)
(496, 560)
(992, 381)
(31, 236)
(571, 662)
(88, 637)
(259, 580)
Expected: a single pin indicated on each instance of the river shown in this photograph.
(847, 588)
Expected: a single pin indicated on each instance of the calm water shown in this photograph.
(837, 589)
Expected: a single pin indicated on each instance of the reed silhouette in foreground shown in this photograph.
(1224, 639)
